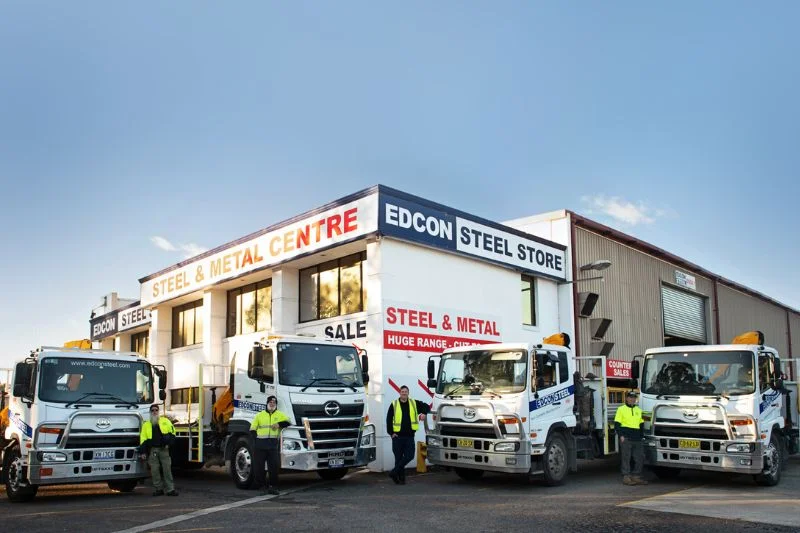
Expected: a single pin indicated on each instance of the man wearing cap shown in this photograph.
(155, 438)
(266, 430)
(630, 429)
(402, 424)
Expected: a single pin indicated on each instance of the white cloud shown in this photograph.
(621, 210)
(188, 250)
(163, 243)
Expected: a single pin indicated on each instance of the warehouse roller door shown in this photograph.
(684, 317)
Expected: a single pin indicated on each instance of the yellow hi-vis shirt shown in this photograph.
(397, 421)
(147, 429)
(262, 424)
(629, 417)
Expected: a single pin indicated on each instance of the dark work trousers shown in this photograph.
(266, 450)
(403, 450)
(632, 449)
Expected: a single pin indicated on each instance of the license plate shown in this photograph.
(689, 444)
(465, 443)
(336, 455)
(333, 463)
(103, 455)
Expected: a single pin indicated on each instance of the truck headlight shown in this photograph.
(744, 447)
(52, 457)
(743, 426)
(291, 445)
(368, 436)
(506, 446)
(434, 441)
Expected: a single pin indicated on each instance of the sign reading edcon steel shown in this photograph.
(419, 328)
(436, 226)
(313, 233)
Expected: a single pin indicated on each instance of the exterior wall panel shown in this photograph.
(630, 295)
(740, 312)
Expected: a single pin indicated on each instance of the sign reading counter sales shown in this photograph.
(619, 369)
(457, 232)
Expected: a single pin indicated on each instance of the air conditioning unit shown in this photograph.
(598, 327)
(597, 348)
(586, 303)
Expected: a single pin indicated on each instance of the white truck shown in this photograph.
(320, 386)
(516, 408)
(74, 417)
(724, 408)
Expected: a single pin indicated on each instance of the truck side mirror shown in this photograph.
(431, 369)
(162, 395)
(162, 378)
(260, 366)
(635, 369)
(22, 380)
(364, 362)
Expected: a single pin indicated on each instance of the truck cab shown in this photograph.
(74, 416)
(513, 408)
(719, 407)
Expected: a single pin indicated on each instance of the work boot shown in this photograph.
(273, 490)
(173, 492)
(639, 480)
(628, 480)
(394, 477)
(158, 493)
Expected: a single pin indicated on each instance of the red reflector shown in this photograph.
(45, 472)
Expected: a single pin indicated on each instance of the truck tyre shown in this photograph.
(469, 474)
(773, 463)
(555, 460)
(664, 472)
(123, 485)
(332, 474)
(242, 464)
(17, 487)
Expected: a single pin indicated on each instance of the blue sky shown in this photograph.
(198, 123)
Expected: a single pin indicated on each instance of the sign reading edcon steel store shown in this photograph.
(413, 221)
(313, 233)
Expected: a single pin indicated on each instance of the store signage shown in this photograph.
(428, 329)
(348, 330)
(311, 234)
(454, 231)
(103, 326)
(133, 318)
(685, 280)
(618, 369)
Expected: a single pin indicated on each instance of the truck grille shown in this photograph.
(689, 432)
(331, 432)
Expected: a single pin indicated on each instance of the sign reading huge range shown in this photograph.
(378, 211)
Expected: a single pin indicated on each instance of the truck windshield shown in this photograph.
(479, 372)
(65, 379)
(699, 373)
(302, 364)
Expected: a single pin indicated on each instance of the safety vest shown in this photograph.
(147, 429)
(398, 414)
(629, 417)
(262, 424)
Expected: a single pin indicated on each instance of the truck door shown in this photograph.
(770, 398)
(554, 387)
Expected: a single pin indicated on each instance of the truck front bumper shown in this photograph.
(59, 465)
(713, 455)
(308, 460)
(444, 451)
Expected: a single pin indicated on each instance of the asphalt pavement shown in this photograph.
(591, 500)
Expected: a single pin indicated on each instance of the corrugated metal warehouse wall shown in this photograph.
(630, 295)
(739, 312)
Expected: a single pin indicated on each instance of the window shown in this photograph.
(528, 301)
(182, 395)
(333, 289)
(563, 368)
(140, 343)
(250, 308)
(187, 324)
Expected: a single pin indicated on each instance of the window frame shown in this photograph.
(531, 300)
(178, 316)
(142, 335)
(238, 319)
(317, 269)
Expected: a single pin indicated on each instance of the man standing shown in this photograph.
(402, 423)
(266, 430)
(630, 428)
(154, 440)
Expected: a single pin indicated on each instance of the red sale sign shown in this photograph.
(618, 369)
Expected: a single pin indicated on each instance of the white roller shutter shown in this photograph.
(684, 314)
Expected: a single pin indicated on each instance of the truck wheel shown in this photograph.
(554, 461)
(332, 474)
(17, 487)
(773, 462)
(469, 474)
(123, 485)
(242, 464)
(663, 472)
